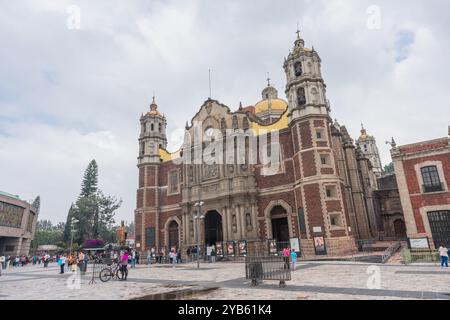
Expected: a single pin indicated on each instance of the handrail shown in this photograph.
(390, 251)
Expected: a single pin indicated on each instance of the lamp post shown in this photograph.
(197, 218)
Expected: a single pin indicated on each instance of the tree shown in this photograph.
(93, 211)
(90, 180)
(44, 225)
(47, 234)
(388, 168)
(37, 204)
(68, 226)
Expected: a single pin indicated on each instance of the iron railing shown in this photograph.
(390, 251)
(268, 268)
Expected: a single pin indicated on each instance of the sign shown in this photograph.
(317, 229)
(319, 246)
(419, 243)
(230, 248)
(295, 244)
(273, 247)
(242, 247)
(219, 249)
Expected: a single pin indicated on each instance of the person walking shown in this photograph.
(124, 265)
(213, 254)
(133, 259)
(293, 259)
(286, 253)
(62, 263)
(173, 258)
(2, 263)
(443, 253)
(149, 256)
(85, 262)
(81, 261)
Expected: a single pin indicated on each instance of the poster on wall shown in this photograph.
(319, 246)
(219, 249)
(419, 243)
(295, 244)
(273, 247)
(230, 248)
(242, 248)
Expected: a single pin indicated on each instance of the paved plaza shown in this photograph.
(226, 281)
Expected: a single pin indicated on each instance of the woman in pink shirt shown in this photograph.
(124, 265)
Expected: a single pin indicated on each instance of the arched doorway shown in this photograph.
(399, 228)
(280, 225)
(213, 228)
(173, 235)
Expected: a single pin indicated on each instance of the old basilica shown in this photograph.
(320, 194)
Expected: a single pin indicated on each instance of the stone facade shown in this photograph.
(18, 221)
(423, 177)
(319, 190)
(389, 208)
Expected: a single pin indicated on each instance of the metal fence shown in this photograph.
(268, 268)
(420, 255)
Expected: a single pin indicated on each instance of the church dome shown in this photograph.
(270, 101)
(274, 104)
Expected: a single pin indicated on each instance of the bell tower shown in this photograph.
(151, 139)
(305, 88)
(153, 135)
(317, 180)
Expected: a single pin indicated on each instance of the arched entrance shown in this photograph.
(213, 228)
(173, 235)
(280, 225)
(399, 228)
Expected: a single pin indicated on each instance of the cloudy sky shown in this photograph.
(73, 92)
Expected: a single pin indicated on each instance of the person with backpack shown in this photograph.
(293, 259)
(286, 254)
(213, 254)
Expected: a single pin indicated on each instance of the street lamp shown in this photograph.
(197, 218)
(72, 230)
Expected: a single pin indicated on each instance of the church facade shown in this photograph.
(316, 189)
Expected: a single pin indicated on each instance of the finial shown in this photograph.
(240, 105)
(187, 125)
(298, 32)
(268, 79)
(392, 143)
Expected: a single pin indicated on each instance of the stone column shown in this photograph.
(225, 224)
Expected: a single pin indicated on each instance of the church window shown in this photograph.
(331, 191)
(160, 127)
(324, 159)
(336, 220)
(298, 69)
(431, 180)
(301, 98)
(173, 182)
(152, 127)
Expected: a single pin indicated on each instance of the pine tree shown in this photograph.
(37, 204)
(68, 225)
(90, 180)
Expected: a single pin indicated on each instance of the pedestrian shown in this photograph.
(173, 257)
(81, 261)
(286, 253)
(74, 262)
(138, 256)
(2, 263)
(188, 253)
(213, 254)
(293, 259)
(443, 253)
(149, 256)
(62, 263)
(124, 265)
(133, 259)
(16, 261)
(179, 256)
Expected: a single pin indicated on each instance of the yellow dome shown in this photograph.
(276, 104)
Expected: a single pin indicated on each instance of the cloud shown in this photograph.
(68, 96)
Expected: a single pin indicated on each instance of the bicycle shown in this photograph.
(112, 272)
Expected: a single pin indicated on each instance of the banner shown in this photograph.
(242, 247)
(230, 248)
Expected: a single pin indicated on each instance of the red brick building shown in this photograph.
(315, 188)
(423, 177)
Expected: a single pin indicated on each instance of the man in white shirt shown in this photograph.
(2, 263)
(443, 253)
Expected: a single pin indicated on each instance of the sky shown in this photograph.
(75, 76)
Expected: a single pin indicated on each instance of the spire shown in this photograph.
(268, 79)
(153, 106)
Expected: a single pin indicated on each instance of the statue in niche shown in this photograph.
(191, 227)
(248, 222)
(234, 223)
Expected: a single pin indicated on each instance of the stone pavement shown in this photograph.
(226, 281)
